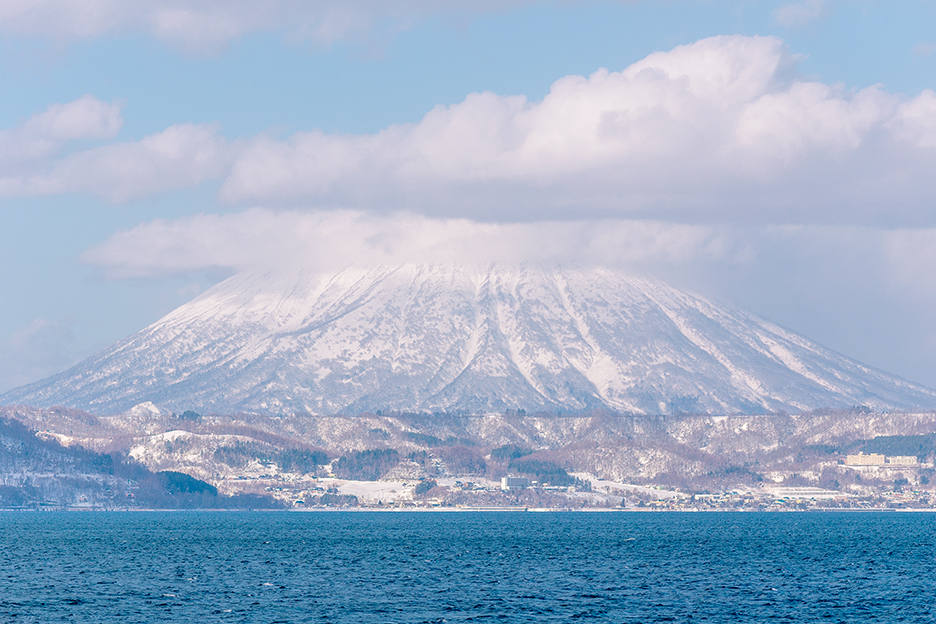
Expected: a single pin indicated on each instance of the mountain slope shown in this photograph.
(418, 337)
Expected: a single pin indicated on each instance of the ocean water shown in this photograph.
(467, 567)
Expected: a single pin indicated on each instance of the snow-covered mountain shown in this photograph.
(417, 337)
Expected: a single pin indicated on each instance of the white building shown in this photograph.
(806, 493)
(903, 460)
(872, 459)
(514, 483)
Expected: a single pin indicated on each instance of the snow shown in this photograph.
(602, 485)
(372, 491)
(481, 338)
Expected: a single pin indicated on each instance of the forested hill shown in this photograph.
(36, 471)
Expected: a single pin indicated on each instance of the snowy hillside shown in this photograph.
(418, 337)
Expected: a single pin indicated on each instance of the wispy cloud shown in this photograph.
(800, 14)
(836, 282)
(262, 239)
(181, 156)
(208, 25)
(924, 49)
(38, 349)
(46, 134)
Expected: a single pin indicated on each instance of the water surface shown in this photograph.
(466, 567)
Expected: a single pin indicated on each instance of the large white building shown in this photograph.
(877, 459)
(514, 483)
(806, 493)
(871, 459)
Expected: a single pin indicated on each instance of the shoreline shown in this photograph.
(50, 509)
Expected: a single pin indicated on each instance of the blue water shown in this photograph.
(467, 567)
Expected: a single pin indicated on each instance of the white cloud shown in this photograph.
(859, 290)
(915, 121)
(181, 156)
(721, 130)
(47, 133)
(717, 130)
(800, 14)
(329, 241)
(207, 25)
(38, 156)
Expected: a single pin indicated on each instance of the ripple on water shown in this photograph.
(461, 567)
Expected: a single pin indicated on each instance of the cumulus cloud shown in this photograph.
(721, 130)
(181, 156)
(44, 154)
(47, 133)
(915, 121)
(207, 25)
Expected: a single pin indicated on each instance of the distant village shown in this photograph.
(590, 493)
(846, 459)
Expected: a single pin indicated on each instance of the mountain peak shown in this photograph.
(472, 337)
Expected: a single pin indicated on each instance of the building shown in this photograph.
(806, 493)
(509, 484)
(872, 459)
(876, 459)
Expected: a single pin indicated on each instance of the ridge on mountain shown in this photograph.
(456, 337)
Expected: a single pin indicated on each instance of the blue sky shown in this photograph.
(777, 155)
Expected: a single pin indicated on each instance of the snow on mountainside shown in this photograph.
(417, 337)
